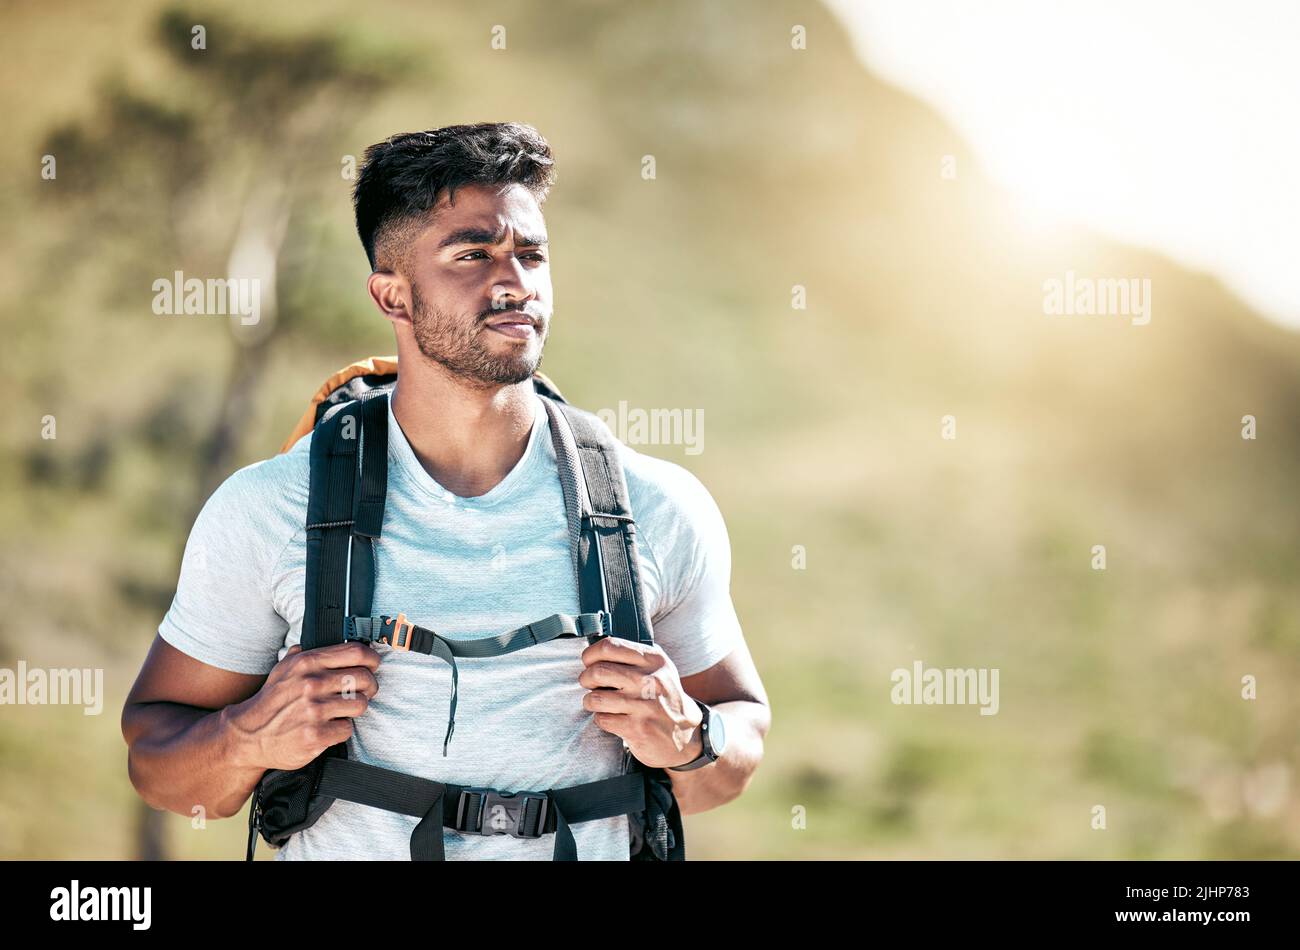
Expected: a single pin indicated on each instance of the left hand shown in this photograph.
(642, 701)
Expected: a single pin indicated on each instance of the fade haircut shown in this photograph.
(403, 177)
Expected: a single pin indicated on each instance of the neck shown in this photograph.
(467, 438)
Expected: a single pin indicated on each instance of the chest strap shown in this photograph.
(483, 811)
(401, 634)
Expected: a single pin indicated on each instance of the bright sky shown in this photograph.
(1170, 124)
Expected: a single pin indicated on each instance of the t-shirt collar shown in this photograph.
(402, 457)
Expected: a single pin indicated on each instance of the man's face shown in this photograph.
(481, 284)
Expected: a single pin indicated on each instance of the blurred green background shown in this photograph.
(775, 168)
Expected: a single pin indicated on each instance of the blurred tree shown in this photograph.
(247, 122)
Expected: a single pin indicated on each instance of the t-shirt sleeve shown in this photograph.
(695, 620)
(222, 613)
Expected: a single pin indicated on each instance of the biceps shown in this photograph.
(734, 678)
(170, 676)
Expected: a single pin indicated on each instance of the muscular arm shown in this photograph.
(733, 688)
(183, 747)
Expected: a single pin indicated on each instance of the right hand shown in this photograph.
(307, 704)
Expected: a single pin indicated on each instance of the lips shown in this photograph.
(515, 319)
(519, 326)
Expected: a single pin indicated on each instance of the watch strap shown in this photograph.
(706, 755)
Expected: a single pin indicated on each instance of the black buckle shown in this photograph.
(502, 813)
(398, 632)
(352, 631)
(393, 635)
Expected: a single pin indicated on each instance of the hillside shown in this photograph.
(774, 168)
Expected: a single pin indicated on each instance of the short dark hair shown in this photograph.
(402, 178)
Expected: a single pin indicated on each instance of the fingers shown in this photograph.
(347, 681)
(612, 701)
(614, 723)
(330, 732)
(618, 650)
(615, 675)
(336, 707)
(339, 655)
(356, 679)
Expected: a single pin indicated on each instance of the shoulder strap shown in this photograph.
(602, 530)
(345, 513)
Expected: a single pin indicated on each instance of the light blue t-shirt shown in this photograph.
(465, 567)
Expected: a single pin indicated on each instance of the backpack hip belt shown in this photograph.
(474, 809)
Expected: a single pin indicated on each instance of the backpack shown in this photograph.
(345, 513)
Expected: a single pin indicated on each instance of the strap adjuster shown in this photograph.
(588, 520)
(596, 625)
(360, 629)
(502, 813)
(393, 635)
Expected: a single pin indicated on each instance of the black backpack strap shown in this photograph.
(602, 530)
(348, 484)
(479, 810)
(368, 506)
(345, 513)
(329, 527)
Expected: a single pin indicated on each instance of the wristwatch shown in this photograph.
(713, 737)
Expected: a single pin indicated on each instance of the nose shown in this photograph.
(512, 285)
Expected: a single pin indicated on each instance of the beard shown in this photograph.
(460, 347)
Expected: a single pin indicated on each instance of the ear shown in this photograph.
(391, 293)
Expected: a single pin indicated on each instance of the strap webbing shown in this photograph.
(329, 527)
(368, 501)
(418, 639)
(602, 530)
(369, 513)
(601, 525)
(435, 803)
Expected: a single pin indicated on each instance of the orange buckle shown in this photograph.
(397, 641)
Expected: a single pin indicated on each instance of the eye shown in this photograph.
(534, 255)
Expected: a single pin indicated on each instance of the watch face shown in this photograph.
(717, 733)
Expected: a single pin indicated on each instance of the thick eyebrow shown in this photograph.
(476, 235)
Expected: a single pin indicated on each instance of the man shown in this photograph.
(474, 542)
